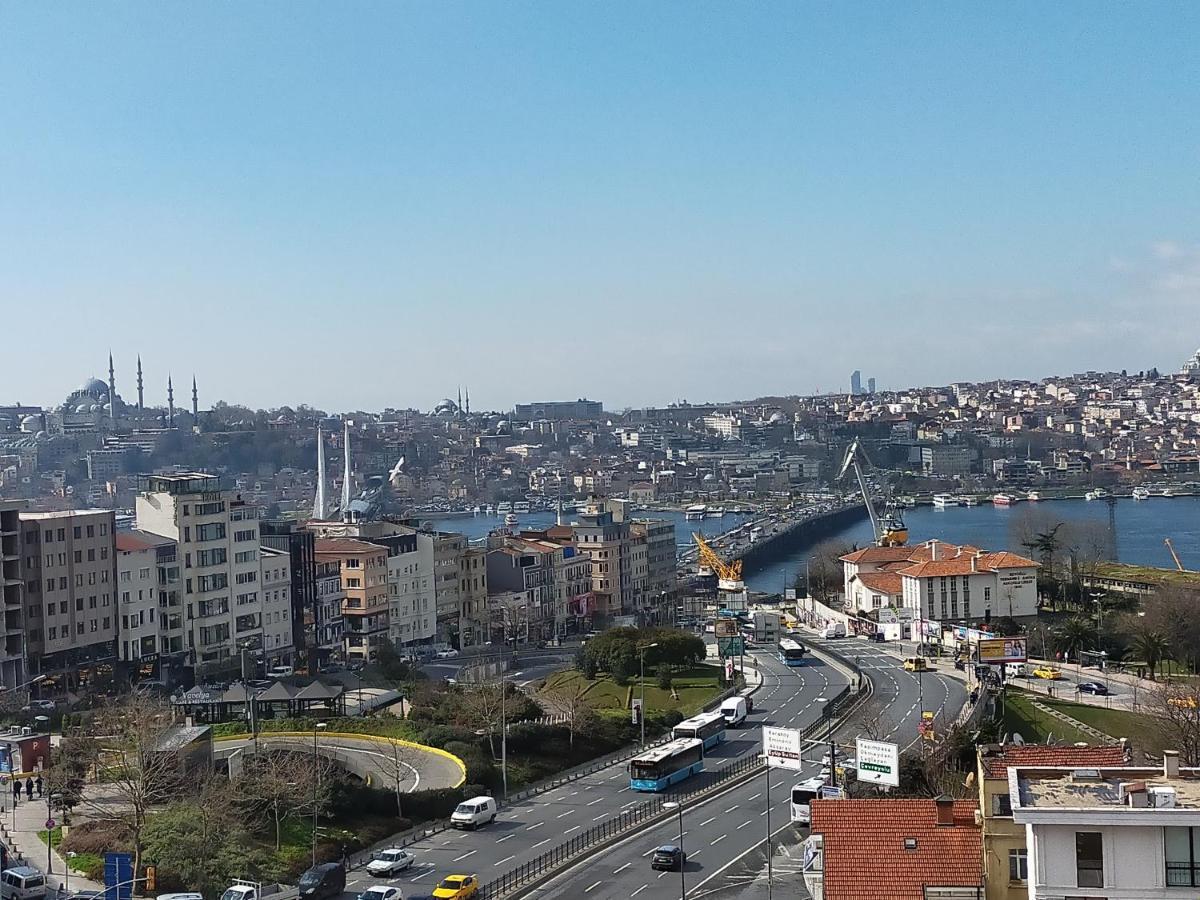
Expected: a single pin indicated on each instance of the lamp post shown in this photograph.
(673, 804)
(317, 728)
(642, 648)
(504, 731)
(46, 788)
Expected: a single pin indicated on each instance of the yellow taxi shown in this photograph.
(1049, 673)
(916, 664)
(456, 887)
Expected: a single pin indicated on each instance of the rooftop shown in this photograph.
(347, 545)
(136, 539)
(1104, 789)
(1144, 574)
(64, 514)
(996, 760)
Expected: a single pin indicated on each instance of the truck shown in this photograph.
(767, 626)
(241, 889)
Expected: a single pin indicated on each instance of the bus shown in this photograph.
(803, 795)
(659, 768)
(791, 653)
(708, 727)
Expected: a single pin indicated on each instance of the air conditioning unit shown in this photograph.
(1162, 797)
(26, 731)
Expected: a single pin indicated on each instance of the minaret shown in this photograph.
(320, 512)
(460, 399)
(195, 402)
(170, 403)
(468, 401)
(112, 390)
(141, 398)
(346, 474)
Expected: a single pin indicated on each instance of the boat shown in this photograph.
(715, 513)
(1167, 492)
(476, 511)
(1141, 493)
(1002, 500)
(970, 500)
(503, 508)
(944, 501)
(696, 511)
(521, 506)
(489, 510)
(1033, 496)
(1097, 494)
(907, 502)
(510, 520)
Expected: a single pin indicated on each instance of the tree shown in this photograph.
(569, 698)
(398, 769)
(66, 778)
(480, 707)
(1175, 710)
(1175, 614)
(1074, 635)
(280, 786)
(1149, 646)
(200, 842)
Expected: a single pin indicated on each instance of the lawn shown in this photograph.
(1020, 716)
(1034, 725)
(90, 864)
(695, 687)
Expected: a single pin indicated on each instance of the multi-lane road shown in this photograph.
(724, 835)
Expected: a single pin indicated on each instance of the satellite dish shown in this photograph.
(1017, 739)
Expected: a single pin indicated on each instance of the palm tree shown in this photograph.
(1151, 647)
(1074, 635)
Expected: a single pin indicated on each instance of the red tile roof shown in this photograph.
(951, 559)
(865, 857)
(879, 555)
(347, 546)
(996, 765)
(882, 582)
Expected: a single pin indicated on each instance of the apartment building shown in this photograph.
(536, 586)
(448, 549)
(71, 613)
(659, 582)
(217, 538)
(412, 621)
(299, 544)
(12, 582)
(472, 595)
(143, 623)
(276, 606)
(607, 544)
(325, 622)
(364, 573)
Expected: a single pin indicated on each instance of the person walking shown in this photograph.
(28, 788)
(38, 784)
(16, 791)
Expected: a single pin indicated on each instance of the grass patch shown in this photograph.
(1034, 725)
(1022, 717)
(695, 687)
(91, 865)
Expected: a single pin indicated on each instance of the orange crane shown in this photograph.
(1174, 555)
(726, 572)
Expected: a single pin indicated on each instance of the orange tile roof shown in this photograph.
(865, 855)
(952, 559)
(347, 545)
(879, 554)
(996, 765)
(882, 582)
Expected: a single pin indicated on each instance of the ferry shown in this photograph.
(907, 502)
(944, 501)
(503, 508)
(1002, 500)
(715, 513)
(1033, 496)
(1167, 492)
(511, 520)
(695, 511)
(521, 506)
(970, 500)
(1141, 493)
(1097, 494)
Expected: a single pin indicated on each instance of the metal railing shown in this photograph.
(614, 827)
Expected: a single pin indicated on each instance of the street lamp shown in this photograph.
(642, 648)
(828, 716)
(46, 787)
(673, 804)
(317, 728)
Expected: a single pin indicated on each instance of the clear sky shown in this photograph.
(358, 205)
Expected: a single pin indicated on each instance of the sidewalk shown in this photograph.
(19, 827)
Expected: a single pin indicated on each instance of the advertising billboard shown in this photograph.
(1002, 650)
(726, 628)
(878, 762)
(782, 747)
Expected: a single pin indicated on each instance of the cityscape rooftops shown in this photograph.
(1037, 794)
(996, 760)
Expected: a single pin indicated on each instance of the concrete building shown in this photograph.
(299, 544)
(940, 460)
(218, 539)
(12, 582)
(659, 585)
(327, 623)
(412, 620)
(71, 610)
(138, 601)
(536, 585)
(364, 572)
(278, 649)
(1119, 833)
(472, 595)
(558, 410)
(607, 544)
(448, 550)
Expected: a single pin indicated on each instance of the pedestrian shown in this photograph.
(38, 784)
(345, 858)
(28, 788)
(16, 791)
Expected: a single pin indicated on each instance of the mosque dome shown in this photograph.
(30, 424)
(93, 386)
(446, 408)
(776, 418)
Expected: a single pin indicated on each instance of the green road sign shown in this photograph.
(734, 646)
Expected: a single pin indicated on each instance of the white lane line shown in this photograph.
(573, 793)
(503, 861)
(622, 869)
(535, 825)
(718, 840)
(465, 855)
(572, 828)
(756, 796)
(592, 888)
(594, 802)
(743, 825)
(648, 852)
(564, 815)
(732, 808)
(601, 816)
(507, 837)
(706, 821)
(539, 843)
(639, 890)
(629, 804)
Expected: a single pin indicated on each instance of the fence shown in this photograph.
(618, 825)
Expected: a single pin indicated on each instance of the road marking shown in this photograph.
(592, 888)
(594, 802)
(718, 840)
(622, 869)
(639, 890)
(756, 796)
(503, 861)
(648, 852)
(618, 775)
(465, 855)
(706, 821)
(743, 825)
(629, 804)
(535, 825)
(564, 815)
(539, 843)
(507, 837)
(601, 816)
(573, 793)
(732, 808)
(572, 828)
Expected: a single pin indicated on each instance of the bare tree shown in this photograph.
(397, 769)
(1175, 710)
(870, 719)
(281, 786)
(569, 698)
(481, 707)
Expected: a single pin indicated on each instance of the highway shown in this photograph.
(724, 836)
(526, 829)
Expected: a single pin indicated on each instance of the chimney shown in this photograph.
(973, 559)
(1170, 763)
(945, 810)
(933, 550)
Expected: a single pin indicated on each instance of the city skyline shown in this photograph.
(738, 201)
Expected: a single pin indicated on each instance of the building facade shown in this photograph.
(138, 601)
(13, 666)
(278, 649)
(326, 623)
(413, 606)
(299, 544)
(364, 572)
(607, 544)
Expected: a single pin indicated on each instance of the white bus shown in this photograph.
(803, 795)
(709, 727)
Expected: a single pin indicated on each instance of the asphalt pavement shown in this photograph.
(521, 832)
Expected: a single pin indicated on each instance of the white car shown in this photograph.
(389, 862)
(447, 654)
(381, 892)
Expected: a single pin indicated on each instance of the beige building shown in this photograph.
(413, 608)
(277, 606)
(364, 570)
(607, 543)
(71, 583)
(473, 596)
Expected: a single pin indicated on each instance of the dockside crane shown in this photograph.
(729, 575)
(1174, 555)
(889, 529)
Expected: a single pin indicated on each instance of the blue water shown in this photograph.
(1141, 527)
(476, 527)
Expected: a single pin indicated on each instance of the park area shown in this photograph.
(688, 692)
(1036, 726)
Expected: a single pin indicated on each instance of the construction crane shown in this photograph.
(729, 574)
(889, 529)
(1174, 555)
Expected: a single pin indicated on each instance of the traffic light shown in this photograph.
(151, 879)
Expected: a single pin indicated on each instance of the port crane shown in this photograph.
(1174, 555)
(729, 574)
(889, 529)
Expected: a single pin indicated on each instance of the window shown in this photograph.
(247, 535)
(214, 557)
(212, 532)
(1089, 859)
(91, 554)
(1001, 805)
(1183, 856)
(126, 576)
(78, 556)
(1018, 865)
(49, 584)
(48, 537)
(91, 531)
(77, 532)
(144, 573)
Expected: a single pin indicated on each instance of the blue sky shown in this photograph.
(359, 205)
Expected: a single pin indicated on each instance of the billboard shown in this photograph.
(1002, 650)
(732, 646)
(726, 628)
(782, 747)
(878, 762)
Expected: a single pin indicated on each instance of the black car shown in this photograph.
(1093, 687)
(323, 882)
(669, 857)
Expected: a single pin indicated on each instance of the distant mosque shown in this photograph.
(96, 406)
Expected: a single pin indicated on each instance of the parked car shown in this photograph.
(389, 862)
(22, 883)
(1047, 673)
(456, 887)
(323, 882)
(381, 892)
(447, 654)
(281, 672)
(668, 857)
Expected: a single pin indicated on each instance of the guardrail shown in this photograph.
(619, 824)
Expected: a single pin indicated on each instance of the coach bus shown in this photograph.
(660, 767)
(708, 727)
(803, 795)
(791, 652)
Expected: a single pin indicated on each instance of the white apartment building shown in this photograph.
(328, 623)
(137, 597)
(413, 607)
(218, 539)
(276, 606)
(1113, 833)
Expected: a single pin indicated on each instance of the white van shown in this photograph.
(834, 630)
(22, 883)
(1015, 670)
(474, 812)
(734, 710)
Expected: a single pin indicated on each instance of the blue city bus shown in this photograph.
(659, 768)
(709, 728)
(791, 652)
